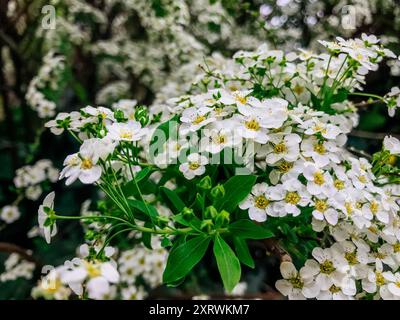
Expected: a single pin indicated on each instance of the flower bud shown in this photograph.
(187, 212)
(218, 191)
(210, 212)
(222, 218)
(205, 183)
(207, 225)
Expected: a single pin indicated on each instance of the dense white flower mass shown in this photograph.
(253, 116)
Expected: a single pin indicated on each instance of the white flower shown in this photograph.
(252, 127)
(329, 269)
(394, 285)
(272, 112)
(104, 114)
(195, 118)
(289, 196)
(195, 166)
(97, 275)
(322, 152)
(392, 145)
(130, 131)
(294, 285)
(10, 213)
(322, 210)
(284, 147)
(392, 100)
(218, 136)
(46, 210)
(318, 181)
(327, 130)
(258, 203)
(83, 165)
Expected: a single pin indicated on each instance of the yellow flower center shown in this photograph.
(261, 202)
(280, 148)
(292, 197)
(218, 111)
(380, 255)
(298, 89)
(194, 165)
(296, 282)
(379, 278)
(319, 178)
(396, 247)
(199, 119)
(240, 99)
(125, 134)
(92, 269)
(334, 289)
(351, 258)
(252, 125)
(339, 184)
(327, 267)
(362, 179)
(319, 148)
(349, 207)
(220, 139)
(321, 205)
(373, 229)
(374, 206)
(285, 166)
(86, 164)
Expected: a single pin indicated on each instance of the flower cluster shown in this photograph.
(279, 120)
(29, 179)
(47, 80)
(16, 267)
(141, 268)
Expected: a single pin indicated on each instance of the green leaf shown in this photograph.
(236, 190)
(161, 135)
(145, 208)
(179, 218)
(143, 174)
(166, 242)
(184, 257)
(242, 251)
(173, 197)
(249, 230)
(130, 188)
(228, 263)
(146, 236)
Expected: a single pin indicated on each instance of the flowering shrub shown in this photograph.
(260, 154)
(229, 142)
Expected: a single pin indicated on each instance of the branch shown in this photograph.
(274, 248)
(13, 248)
